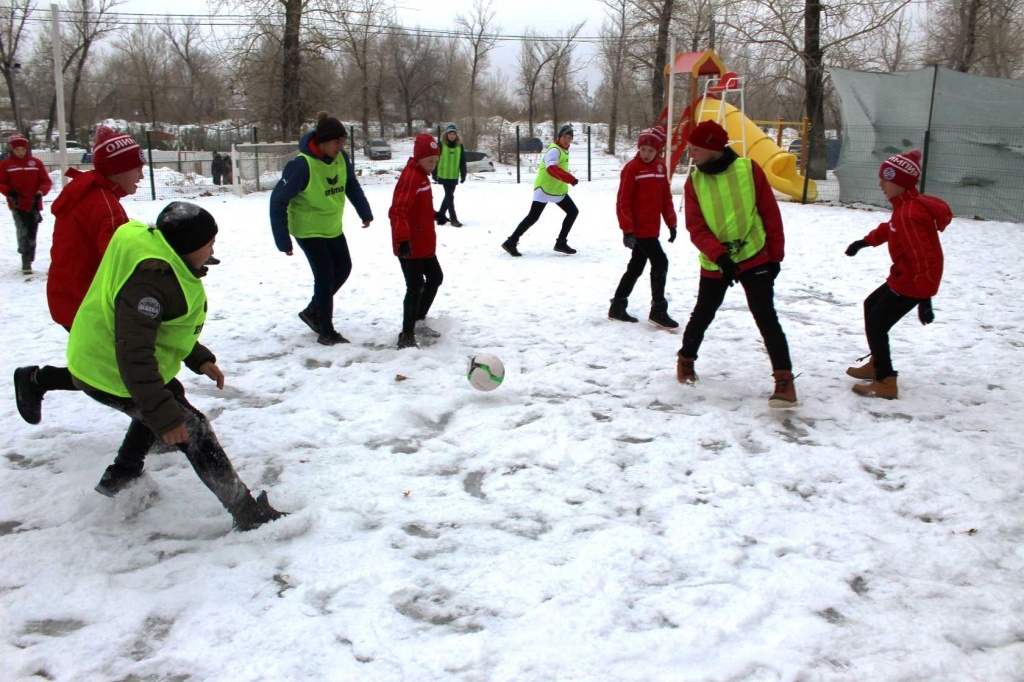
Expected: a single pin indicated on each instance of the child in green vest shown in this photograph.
(139, 322)
(734, 221)
(450, 171)
(550, 187)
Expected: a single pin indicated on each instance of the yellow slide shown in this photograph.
(778, 165)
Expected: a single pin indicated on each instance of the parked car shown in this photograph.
(527, 145)
(479, 162)
(377, 148)
(832, 151)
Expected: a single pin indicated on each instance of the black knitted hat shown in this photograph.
(186, 227)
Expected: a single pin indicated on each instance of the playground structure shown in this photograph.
(711, 84)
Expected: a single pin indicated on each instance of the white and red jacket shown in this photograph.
(412, 212)
(913, 237)
(26, 176)
(645, 197)
(88, 210)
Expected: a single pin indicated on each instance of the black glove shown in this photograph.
(462, 180)
(853, 248)
(574, 182)
(728, 269)
(925, 312)
(628, 240)
(671, 234)
(13, 196)
(38, 216)
(404, 250)
(775, 269)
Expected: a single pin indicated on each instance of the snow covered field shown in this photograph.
(589, 520)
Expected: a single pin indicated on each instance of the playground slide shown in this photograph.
(778, 165)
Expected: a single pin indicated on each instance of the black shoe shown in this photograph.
(562, 246)
(456, 223)
(255, 513)
(28, 395)
(617, 311)
(212, 261)
(407, 341)
(440, 219)
(659, 317)
(115, 479)
(330, 338)
(26, 265)
(510, 247)
(309, 317)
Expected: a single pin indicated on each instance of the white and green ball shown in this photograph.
(486, 372)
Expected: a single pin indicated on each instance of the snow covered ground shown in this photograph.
(589, 520)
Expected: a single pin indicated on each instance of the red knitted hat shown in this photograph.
(424, 146)
(115, 153)
(17, 140)
(652, 137)
(902, 169)
(709, 135)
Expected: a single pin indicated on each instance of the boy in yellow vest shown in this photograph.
(140, 320)
(450, 171)
(734, 221)
(550, 187)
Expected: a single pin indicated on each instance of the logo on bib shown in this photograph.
(150, 307)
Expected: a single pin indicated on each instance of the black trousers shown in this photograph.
(646, 249)
(448, 203)
(883, 308)
(26, 226)
(759, 287)
(423, 277)
(566, 204)
(202, 449)
(331, 264)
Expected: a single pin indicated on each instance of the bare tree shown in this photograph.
(977, 36)
(196, 70)
(12, 31)
(360, 26)
(533, 60)
(142, 54)
(416, 72)
(615, 38)
(481, 40)
(560, 67)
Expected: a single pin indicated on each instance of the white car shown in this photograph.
(479, 162)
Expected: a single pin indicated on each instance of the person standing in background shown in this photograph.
(24, 181)
(450, 171)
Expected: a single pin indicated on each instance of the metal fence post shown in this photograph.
(152, 180)
(588, 153)
(517, 155)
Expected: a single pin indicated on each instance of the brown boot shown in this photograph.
(865, 372)
(785, 391)
(685, 373)
(886, 388)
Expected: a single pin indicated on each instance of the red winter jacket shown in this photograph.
(644, 198)
(412, 212)
(88, 210)
(707, 243)
(27, 177)
(913, 237)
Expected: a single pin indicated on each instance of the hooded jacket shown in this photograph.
(87, 212)
(644, 198)
(412, 212)
(26, 176)
(913, 237)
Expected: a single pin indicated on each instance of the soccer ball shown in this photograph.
(485, 372)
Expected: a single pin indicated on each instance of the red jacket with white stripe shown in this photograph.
(644, 198)
(27, 177)
(412, 212)
(913, 237)
(88, 210)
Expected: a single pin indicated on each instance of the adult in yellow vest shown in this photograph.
(551, 187)
(308, 203)
(734, 221)
(450, 171)
(140, 320)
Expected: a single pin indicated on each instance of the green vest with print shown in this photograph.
(550, 184)
(317, 210)
(728, 201)
(92, 345)
(448, 164)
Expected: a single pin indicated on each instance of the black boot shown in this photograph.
(617, 311)
(254, 513)
(329, 337)
(28, 394)
(510, 245)
(659, 316)
(26, 265)
(455, 218)
(407, 340)
(116, 478)
(308, 318)
(440, 218)
(562, 246)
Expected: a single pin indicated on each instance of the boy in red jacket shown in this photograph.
(87, 212)
(24, 181)
(913, 237)
(413, 238)
(644, 198)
